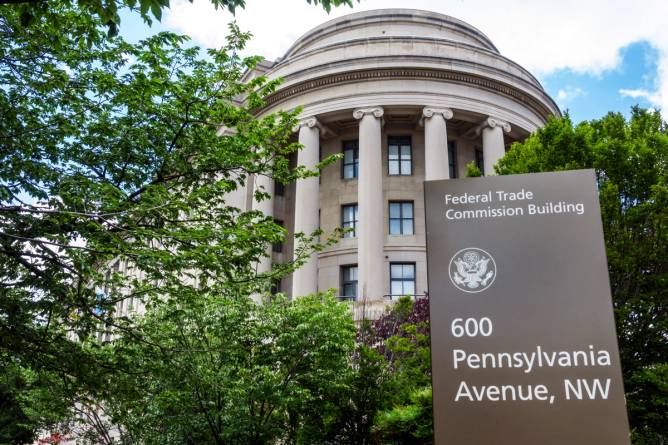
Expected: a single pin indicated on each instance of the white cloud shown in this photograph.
(586, 37)
(639, 93)
(567, 94)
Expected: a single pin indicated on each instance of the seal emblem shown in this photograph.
(472, 270)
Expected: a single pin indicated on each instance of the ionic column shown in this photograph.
(305, 279)
(436, 143)
(266, 184)
(370, 232)
(493, 147)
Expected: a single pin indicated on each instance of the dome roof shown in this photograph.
(388, 24)
(406, 55)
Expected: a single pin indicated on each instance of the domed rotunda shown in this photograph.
(405, 96)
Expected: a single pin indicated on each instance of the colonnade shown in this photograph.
(370, 187)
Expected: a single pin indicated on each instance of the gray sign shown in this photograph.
(523, 337)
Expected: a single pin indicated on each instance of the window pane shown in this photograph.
(394, 167)
(408, 271)
(347, 213)
(395, 227)
(394, 152)
(348, 156)
(395, 210)
(405, 152)
(408, 227)
(407, 209)
(396, 288)
(355, 169)
(409, 287)
(348, 171)
(405, 167)
(349, 281)
(395, 271)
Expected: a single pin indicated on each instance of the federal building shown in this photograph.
(405, 96)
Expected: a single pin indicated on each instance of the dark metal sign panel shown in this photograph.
(524, 350)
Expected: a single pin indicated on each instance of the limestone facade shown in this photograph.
(416, 96)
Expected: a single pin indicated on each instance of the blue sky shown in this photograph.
(590, 96)
(592, 57)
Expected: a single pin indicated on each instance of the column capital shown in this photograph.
(309, 122)
(375, 111)
(493, 122)
(431, 111)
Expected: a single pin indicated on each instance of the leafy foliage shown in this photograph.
(408, 424)
(107, 10)
(403, 337)
(226, 370)
(472, 170)
(631, 162)
(114, 181)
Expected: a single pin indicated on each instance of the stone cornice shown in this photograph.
(347, 44)
(408, 73)
(375, 111)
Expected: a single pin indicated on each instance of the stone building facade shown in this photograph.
(405, 96)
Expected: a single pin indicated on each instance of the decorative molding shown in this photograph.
(445, 112)
(314, 122)
(408, 73)
(493, 122)
(490, 122)
(309, 122)
(375, 111)
(428, 112)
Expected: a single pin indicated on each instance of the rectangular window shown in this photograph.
(402, 279)
(479, 160)
(401, 217)
(277, 247)
(349, 282)
(349, 219)
(452, 159)
(351, 160)
(399, 155)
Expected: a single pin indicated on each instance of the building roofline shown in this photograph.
(380, 15)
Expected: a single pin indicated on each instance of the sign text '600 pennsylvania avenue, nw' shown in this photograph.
(523, 338)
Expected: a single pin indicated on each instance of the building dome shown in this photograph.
(405, 96)
(403, 44)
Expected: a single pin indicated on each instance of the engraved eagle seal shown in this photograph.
(472, 270)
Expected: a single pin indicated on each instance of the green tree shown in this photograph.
(403, 337)
(111, 153)
(107, 11)
(229, 371)
(631, 162)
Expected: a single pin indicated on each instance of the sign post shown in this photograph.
(523, 340)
